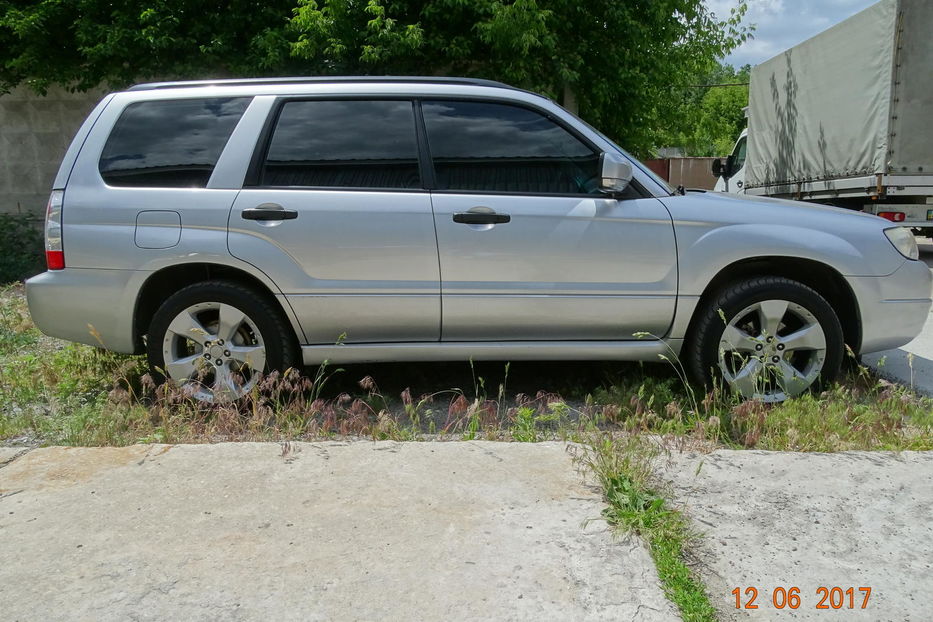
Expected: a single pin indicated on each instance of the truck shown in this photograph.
(845, 118)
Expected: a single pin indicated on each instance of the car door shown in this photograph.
(336, 214)
(529, 248)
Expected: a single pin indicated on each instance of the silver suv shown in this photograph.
(227, 228)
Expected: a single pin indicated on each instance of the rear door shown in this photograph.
(529, 248)
(336, 215)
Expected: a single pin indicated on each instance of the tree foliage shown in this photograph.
(714, 115)
(617, 62)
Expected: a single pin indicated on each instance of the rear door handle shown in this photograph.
(480, 218)
(269, 211)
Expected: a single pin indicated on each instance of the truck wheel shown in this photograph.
(767, 338)
(216, 338)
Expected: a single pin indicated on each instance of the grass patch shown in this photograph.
(21, 247)
(623, 466)
(17, 331)
(57, 393)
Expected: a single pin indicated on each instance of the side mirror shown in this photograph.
(726, 169)
(615, 173)
(717, 168)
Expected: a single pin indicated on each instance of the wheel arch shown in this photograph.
(166, 281)
(824, 279)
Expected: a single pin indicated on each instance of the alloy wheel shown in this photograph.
(214, 351)
(772, 350)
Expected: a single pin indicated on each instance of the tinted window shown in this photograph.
(498, 147)
(169, 144)
(347, 144)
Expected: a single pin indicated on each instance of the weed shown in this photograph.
(20, 247)
(623, 466)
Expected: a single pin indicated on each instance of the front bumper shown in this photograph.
(893, 308)
(85, 305)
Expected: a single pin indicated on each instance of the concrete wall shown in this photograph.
(35, 131)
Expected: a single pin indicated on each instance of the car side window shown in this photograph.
(169, 143)
(493, 147)
(343, 144)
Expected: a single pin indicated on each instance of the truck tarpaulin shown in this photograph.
(850, 102)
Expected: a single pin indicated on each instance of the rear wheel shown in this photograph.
(215, 339)
(767, 338)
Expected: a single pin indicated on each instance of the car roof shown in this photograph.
(260, 82)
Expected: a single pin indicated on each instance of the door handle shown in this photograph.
(481, 218)
(269, 211)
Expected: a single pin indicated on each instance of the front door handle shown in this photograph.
(269, 211)
(481, 218)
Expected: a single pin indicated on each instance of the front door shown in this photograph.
(529, 248)
(339, 220)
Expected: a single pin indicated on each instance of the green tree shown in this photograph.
(712, 112)
(616, 62)
(83, 43)
(721, 115)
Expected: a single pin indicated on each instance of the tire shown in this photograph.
(731, 343)
(187, 328)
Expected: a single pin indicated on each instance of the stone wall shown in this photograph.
(35, 132)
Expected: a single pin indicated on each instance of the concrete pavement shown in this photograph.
(314, 531)
(772, 520)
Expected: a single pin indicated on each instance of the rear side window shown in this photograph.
(169, 144)
(343, 144)
(491, 147)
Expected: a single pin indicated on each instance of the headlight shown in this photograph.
(904, 241)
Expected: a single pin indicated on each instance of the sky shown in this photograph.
(782, 24)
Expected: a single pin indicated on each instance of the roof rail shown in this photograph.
(319, 79)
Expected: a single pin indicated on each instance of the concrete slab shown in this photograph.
(854, 519)
(7, 454)
(323, 531)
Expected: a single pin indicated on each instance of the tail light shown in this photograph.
(893, 216)
(54, 252)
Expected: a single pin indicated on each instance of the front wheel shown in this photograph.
(216, 339)
(767, 338)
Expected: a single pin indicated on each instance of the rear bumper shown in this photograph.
(85, 305)
(893, 308)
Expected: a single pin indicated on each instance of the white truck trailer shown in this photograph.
(846, 118)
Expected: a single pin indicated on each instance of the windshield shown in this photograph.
(738, 154)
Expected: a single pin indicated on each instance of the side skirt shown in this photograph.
(494, 351)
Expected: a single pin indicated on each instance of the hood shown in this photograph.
(738, 227)
(743, 209)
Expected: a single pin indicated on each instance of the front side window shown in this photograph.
(169, 143)
(343, 144)
(492, 147)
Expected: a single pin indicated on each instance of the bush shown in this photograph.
(21, 248)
